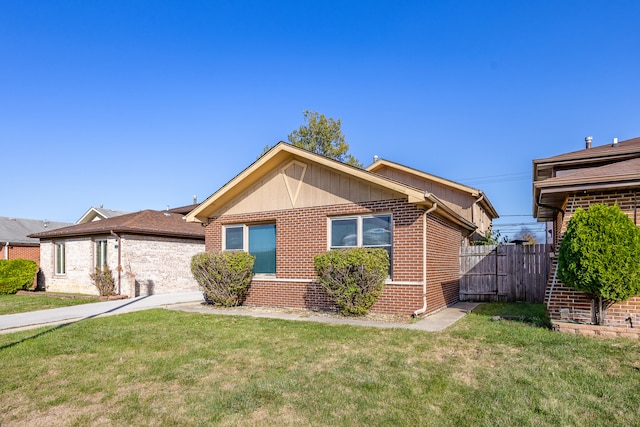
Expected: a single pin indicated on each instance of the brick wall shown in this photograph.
(31, 253)
(302, 233)
(150, 265)
(569, 305)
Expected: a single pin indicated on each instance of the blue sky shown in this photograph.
(143, 104)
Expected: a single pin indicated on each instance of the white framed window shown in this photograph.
(100, 254)
(59, 258)
(362, 231)
(259, 240)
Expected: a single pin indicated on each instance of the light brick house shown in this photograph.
(292, 204)
(149, 252)
(607, 174)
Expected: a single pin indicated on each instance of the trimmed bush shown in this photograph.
(600, 256)
(103, 280)
(16, 274)
(223, 277)
(353, 278)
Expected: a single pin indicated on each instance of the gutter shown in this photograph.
(119, 262)
(424, 261)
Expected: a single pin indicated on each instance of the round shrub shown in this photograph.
(223, 277)
(600, 253)
(353, 278)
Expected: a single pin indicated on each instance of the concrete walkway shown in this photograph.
(55, 316)
(192, 302)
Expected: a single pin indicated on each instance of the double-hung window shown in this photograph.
(100, 254)
(259, 240)
(59, 255)
(368, 231)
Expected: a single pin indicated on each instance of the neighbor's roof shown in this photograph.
(100, 213)
(603, 167)
(283, 151)
(147, 222)
(16, 230)
(474, 192)
(608, 153)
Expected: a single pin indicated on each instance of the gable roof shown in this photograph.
(98, 213)
(284, 151)
(16, 230)
(473, 192)
(603, 167)
(147, 222)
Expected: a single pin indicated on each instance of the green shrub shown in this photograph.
(353, 278)
(16, 274)
(600, 254)
(103, 280)
(223, 277)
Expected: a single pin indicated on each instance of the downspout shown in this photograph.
(424, 261)
(6, 250)
(119, 262)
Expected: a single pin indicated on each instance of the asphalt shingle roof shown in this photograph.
(147, 222)
(16, 230)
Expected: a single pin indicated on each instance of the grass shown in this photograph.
(10, 304)
(167, 368)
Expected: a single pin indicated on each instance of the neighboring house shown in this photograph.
(96, 214)
(292, 204)
(470, 203)
(14, 240)
(607, 174)
(149, 252)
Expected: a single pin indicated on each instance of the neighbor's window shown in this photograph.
(60, 263)
(369, 231)
(258, 240)
(100, 254)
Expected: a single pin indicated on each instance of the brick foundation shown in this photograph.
(596, 331)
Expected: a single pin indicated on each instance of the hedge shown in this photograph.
(16, 274)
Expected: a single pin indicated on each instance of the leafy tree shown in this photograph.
(526, 235)
(490, 238)
(600, 255)
(322, 135)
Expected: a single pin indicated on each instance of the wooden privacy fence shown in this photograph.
(504, 273)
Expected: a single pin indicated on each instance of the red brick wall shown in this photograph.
(567, 304)
(25, 252)
(302, 233)
(443, 264)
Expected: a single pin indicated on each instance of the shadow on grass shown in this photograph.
(62, 325)
(531, 314)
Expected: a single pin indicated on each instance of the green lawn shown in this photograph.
(22, 303)
(162, 367)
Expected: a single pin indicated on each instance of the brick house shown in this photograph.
(14, 240)
(292, 204)
(149, 252)
(607, 174)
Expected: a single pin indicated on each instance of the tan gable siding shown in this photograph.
(457, 200)
(297, 184)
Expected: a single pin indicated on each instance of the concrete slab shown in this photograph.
(433, 323)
